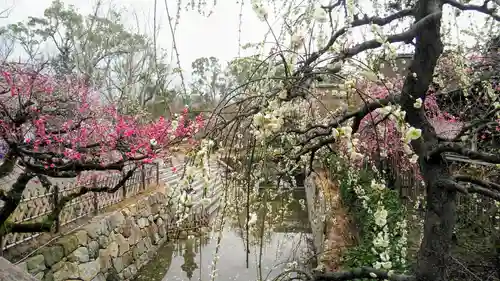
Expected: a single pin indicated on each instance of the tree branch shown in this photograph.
(64, 131)
(473, 187)
(8, 164)
(356, 22)
(74, 167)
(46, 225)
(363, 272)
(459, 149)
(406, 37)
(470, 7)
(13, 197)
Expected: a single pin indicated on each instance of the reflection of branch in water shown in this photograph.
(189, 264)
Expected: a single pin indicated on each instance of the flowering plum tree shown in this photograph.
(58, 128)
(279, 115)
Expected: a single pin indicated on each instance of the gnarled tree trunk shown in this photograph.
(440, 214)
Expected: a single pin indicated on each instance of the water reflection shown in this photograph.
(276, 240)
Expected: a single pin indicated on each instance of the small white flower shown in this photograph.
(259, 9)
(153, 142)
(414, 159)
(418, 103)
(412, 134)
(381, 216)
(320, 14)
(373, 275)
(335, 133)
(253, 219)
(387, 265)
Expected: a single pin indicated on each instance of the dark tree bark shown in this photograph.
(440, 216)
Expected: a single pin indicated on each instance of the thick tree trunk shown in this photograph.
(440, 214)
(440, 219)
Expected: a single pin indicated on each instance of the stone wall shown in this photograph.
(113, 245)
(329, 221)
(317, 211)
(9, 272)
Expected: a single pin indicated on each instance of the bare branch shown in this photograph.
(453, 185)
(459, 149)
(405, 37)
(46, 225)
(471, 7)
(356, 22)
(363, 272)
(8, 164)
(476, 181)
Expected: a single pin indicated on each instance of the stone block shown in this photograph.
(127, 259)
(99, 277)
(117, 219)
(135, 235)
(104, 260)
(67, 271)
(39, 275)
(89, 270)
(103, 241)
(82, 237)
(143, 222)
(52, 254)
(93, 249)
(35, 264)
(69, 244)
(118, 264)
(139, 249)
(126, 273)
(123, 244)
(133, 269)
(81, 255)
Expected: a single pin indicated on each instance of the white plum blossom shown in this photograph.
(414, 159)
(335, 133)
(377, 186)
(258, 8)
(381, 216)
(153, 142)
(320, 14)
(253, 219)
(412, 134)
(418, 103)
(381, 240)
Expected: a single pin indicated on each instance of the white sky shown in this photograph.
(196, 36)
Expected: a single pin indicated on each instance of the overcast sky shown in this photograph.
(197, 35)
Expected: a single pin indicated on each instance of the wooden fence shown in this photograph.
(38, 202)
(410, 187)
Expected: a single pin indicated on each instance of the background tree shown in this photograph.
(208, 79)
(122, 63)
(59, 128)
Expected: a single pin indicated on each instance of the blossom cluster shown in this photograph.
(63, 120)
(388, 231)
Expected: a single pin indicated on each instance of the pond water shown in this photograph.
(274, 247)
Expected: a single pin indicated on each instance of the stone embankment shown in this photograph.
(115, 245)
(328, 218)
(118, 243)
